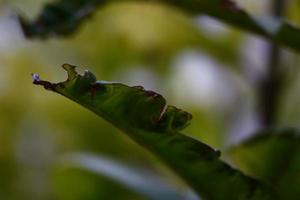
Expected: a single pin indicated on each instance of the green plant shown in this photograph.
(270, 159)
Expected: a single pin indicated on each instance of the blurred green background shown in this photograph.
(198, 64)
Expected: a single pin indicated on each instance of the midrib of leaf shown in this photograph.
(139, 114)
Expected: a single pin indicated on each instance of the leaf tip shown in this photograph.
(71, 70)
(24, 26)
(35, 77)
(47, 85)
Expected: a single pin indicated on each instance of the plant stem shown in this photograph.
(270, 87)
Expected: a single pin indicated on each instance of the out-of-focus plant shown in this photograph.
(270, 159)
(63, 17)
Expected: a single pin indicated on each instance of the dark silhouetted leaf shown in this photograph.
(144, 116)
(273, 156)
(59, 18)
(63, 17)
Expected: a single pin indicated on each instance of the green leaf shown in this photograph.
(142, 181)
(273, 156)
(59, 18)
(63, 17)
(144, 116)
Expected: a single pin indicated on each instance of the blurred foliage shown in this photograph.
(273, 157)
(64, 17)
(144, 182)
(138, 43)
(126, 38)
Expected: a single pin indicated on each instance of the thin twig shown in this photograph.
(270, 87)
